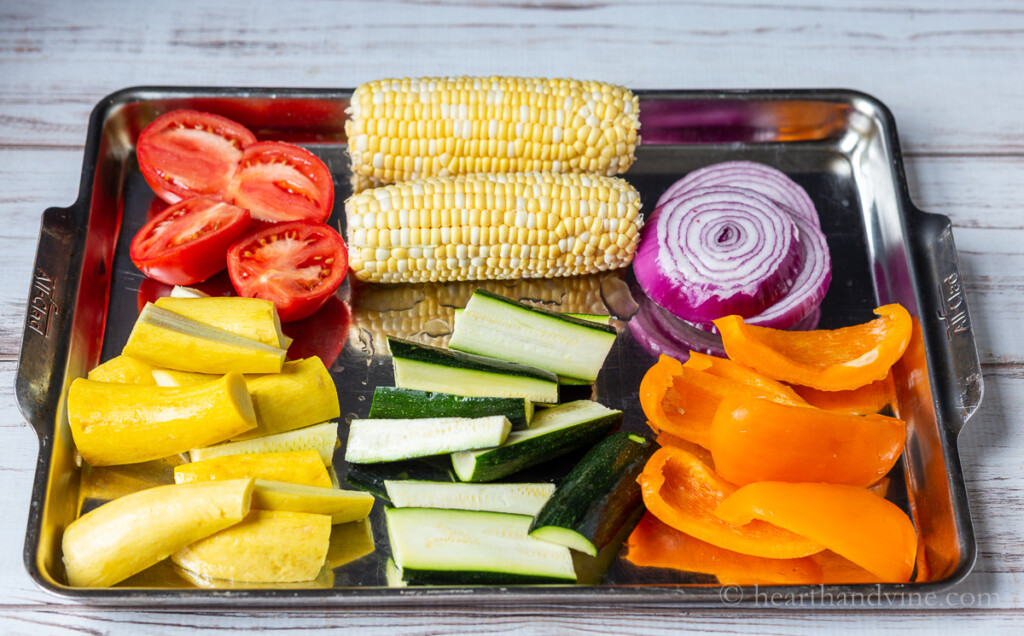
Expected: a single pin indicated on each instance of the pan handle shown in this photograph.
(946, 320)
(48, 320)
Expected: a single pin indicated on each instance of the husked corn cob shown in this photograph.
(401, 129)
(492, 226)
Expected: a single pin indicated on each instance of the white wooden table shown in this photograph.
(951, 71)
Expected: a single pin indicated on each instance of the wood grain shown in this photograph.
(950, 71)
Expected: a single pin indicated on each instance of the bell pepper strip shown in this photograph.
(852, 522)
(683, 492)
(868, 399)
(698, 451)
(682, 400)
(830, 360)
(753, 439)
(655, 544)
(741, 373)
(653, 387)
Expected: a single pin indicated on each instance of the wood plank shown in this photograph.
(806, 44)
(502, 620)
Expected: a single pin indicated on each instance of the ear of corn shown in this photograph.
(401, 129)
(492, 226)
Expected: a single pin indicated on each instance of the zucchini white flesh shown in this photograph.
(600, 494)
(392, 574)
(372, 441)
(520, 499)
(393, 402)
(466, 547)
(553, 432)
(426, 368)
(502, 328)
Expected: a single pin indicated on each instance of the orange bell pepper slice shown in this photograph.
(830, 360)
(655, 544)
(682, 399)
(758, 440)
(653, 387)
(698, 451)
(683, 492)
(852, 522)
(868, 399)
(732, 370)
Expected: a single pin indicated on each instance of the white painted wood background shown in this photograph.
(951, 71)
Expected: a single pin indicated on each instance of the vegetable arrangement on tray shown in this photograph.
(770, 459)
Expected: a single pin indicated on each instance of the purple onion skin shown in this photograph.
(691, 281)
(759, 177)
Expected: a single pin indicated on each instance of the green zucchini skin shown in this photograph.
(598, 496)
(371, 477)
(396, 403)
(534, 446)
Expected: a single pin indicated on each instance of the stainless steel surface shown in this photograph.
(840, 145)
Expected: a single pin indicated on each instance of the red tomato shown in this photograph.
(187, 242)
(187, 153)
(279, 182)
(296, 265)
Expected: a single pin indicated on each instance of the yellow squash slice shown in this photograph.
(342, 506)
(123, 370)
(296, 467)
(127, 423)
(127, 535)
(253, 318)
(269, 546)
(322, 438)
(166, 339)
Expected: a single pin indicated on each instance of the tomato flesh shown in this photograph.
(187, 242)
(280, 182)
(296, 265)
(187, 153)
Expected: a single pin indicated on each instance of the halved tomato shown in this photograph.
(295, 265)
(188, 242)
(185, 153)
(277, 182)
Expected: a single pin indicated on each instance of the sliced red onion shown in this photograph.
(751, 175)
(717, 251)
(808, 290)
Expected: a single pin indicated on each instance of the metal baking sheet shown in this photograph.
(840, 145)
